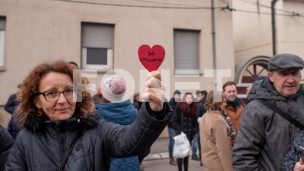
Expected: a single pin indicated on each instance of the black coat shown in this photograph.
(137, 104)
(201, 107)
(12, 127)
(11, 103)
(184, 122)
(43, 144)
(173, 104)
(6, 142)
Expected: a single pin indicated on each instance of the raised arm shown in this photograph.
(153, 117)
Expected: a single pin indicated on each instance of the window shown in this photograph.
(186, 52)
(2, 43)
(97, 46)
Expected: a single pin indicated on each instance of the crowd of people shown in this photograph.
(57, 125)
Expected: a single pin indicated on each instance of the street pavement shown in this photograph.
(163, 165)
(158, 159)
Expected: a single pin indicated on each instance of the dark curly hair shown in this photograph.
(186, 108)
(31, 85)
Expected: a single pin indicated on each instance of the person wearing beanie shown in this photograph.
(173, 102)
(120, 112)
(113, 88)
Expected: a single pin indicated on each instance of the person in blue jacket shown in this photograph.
(120, 112)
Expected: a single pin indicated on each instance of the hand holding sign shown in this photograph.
(151, 59)
(154, 91)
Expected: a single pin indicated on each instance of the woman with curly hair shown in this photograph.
(216, 134)
(60, 133)
(185, 120)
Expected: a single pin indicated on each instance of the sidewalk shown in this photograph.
(158, 158)
(159, 150)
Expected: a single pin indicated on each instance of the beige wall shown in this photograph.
(290, 30)
(252, 32)
(38, 31)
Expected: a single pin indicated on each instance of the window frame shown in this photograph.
(100, 67)
(110, 50)
(2, 45)
(187, 72)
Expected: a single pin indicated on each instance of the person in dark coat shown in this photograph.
(120, 112)
(185, 120)
(200, 112)
(254, 88)
(173, 102)
(12, 101)
(137, 104)
(11, 106)
(6, 142)
(136, 101)
(264, 136)
(55, 113)
(97, 98)
(293, 159)
(12, 127)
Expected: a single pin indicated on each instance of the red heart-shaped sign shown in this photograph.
(151, 59)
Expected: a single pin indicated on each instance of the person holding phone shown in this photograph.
(294, 159)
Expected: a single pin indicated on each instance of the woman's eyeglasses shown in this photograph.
(53, 95)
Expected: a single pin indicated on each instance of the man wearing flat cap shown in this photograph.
(264, 136)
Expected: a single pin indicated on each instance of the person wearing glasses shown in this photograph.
(60, 133)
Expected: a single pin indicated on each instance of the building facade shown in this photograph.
(105, 35)
(253, 34)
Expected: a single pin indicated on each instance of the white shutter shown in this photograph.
(97, 35)
(2, 48)
(186, 52)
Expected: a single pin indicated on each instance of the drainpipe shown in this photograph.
(213, 46)
(273, 27)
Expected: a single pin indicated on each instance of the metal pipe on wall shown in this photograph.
(213, 45)
(273, 23)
